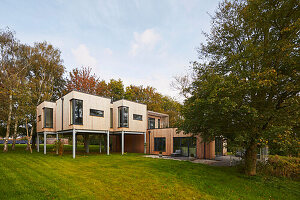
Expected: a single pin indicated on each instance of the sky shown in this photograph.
(141, 42)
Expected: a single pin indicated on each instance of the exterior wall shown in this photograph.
(89, 102)
(205, 150)
(169, 133)
(134, 143)
(40, 112)
(134, 108)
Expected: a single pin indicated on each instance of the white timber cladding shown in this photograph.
(62, 114)
(89, 102)
(40, 120)
(134, 108)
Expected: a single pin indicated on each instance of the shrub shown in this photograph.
(59, 146)
(280, 166)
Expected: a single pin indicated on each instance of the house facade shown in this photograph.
(127, 126)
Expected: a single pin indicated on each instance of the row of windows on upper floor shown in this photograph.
(77, 115)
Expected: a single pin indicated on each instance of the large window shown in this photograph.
(111, 118)
(158, 123)
(160, 144)
(76, 112)
(187, 145)
(151, 123)
(48, 117)
(123, 116)
(97, 113)
(137, 117)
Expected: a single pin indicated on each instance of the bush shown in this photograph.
(280, 166)
(59, 146)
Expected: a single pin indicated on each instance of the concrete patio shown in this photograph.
(218, 161)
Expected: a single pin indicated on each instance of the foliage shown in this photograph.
(59, 147)
(246, 84)
(284, 141)
(280, 166)
(82, 80)
(29, 75)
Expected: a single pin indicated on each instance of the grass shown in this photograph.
(37, 176)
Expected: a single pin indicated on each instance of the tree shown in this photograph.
(154, 101)
(12, 68)
(246, 84)
(82, 80)
(115, 89)
(45, 78)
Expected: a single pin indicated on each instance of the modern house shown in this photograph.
(128, 126)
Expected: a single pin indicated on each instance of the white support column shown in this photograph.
(145, 141)
(100, 147)
(57, 143)
(45, 142)
(38, 142)
(74, 143)
(122, 142)
(107, 143)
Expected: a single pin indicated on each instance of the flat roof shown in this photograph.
(93, 95)
(157, 114)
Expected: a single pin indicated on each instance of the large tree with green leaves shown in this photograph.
(45, 79)
(29, 75)
(13, 68)
(246, 85)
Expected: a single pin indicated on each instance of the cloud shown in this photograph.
(146, 40)
(108, 51)
(83, 57)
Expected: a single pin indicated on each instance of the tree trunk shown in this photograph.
(33, 136)
(27, 136)
(5, 149)
(86, 142)
(29, 139)
(250, 159)
(15, 134)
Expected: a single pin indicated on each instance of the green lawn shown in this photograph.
(37, 176)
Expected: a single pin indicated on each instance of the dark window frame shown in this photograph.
(73, 121)
(45, 123)
(121, 118)
(160, 144)
(158, 123)
(189, 142)
(111, 118)
(137, 115)
(151, 118)
(95, 114)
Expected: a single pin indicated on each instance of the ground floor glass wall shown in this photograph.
(187, 145)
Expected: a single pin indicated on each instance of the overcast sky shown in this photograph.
(141, 42)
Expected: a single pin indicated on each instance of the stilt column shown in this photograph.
(74, 143)
(107, 146)
(45, 142)
(122, 142)
(145, 141)
(38, 142)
